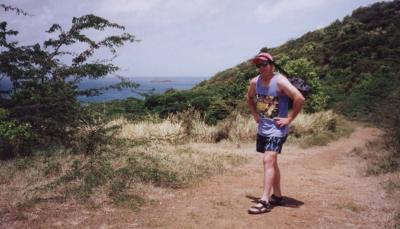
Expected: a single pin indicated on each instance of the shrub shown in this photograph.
(15, 138)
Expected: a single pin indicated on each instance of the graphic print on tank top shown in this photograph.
(267, 106)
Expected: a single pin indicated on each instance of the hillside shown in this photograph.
(356, 59)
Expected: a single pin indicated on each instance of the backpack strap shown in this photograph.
(298, 82)
(280, 69)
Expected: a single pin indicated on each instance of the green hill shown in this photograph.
(356, 60)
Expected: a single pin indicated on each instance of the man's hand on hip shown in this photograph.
(281, 122)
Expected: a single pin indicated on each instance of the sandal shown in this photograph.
(262, 207)
(275, 200)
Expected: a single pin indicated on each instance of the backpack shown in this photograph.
(301, 85)
(298, 82)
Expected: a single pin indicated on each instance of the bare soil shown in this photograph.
(323, 187)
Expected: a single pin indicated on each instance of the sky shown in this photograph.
(184, 38)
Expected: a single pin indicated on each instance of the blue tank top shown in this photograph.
(271, 103)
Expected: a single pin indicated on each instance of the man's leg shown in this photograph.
(269, 161)
(277, 181)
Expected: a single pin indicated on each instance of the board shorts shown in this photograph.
(269, 143)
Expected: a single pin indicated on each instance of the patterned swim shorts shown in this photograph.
(269, 143)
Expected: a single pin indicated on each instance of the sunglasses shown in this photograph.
(263, 64)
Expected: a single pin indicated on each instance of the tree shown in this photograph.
(45, 76)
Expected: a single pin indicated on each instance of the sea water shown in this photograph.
(156, 85)
(147, 85)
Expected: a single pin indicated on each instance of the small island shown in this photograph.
(161, 81)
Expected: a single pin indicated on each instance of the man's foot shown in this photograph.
(275, 200)
(261, 207)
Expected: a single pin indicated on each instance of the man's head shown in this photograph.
(262, 57)
(263, 61)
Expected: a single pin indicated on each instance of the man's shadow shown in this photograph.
(288, 202)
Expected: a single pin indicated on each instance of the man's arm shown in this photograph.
(251, 93)
(295, 95)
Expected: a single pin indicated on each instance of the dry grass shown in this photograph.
(21, 175)
(129, 175)
(392, 188)
(165, 130)
(307, 129)
(236, 128)
(350, 206)
(318, 129)
(241, 128)
(381, 160)
(379, 156)
(314, 123)
(192, 127)
(202, 132)
(148, 159)
(392, 184)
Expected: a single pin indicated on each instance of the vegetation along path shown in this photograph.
(324, 188)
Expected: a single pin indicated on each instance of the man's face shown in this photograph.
(265, 67)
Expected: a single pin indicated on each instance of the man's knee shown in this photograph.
(270, 158)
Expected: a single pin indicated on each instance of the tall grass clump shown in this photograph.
(202, 132)
(239, 127)
(318, 128)
(189, 125)
(235, 128)
(168, 130)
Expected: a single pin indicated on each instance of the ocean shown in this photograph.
(147, 84)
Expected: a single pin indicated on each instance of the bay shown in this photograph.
(147, 84)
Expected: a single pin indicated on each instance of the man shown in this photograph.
(267, 98)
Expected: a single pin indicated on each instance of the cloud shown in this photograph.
(270, 12)
(160, 12)
(127, 6)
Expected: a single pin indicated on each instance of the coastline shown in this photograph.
(157, 85)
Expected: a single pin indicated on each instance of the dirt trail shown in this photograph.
(323, 184)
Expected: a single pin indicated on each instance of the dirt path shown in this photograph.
(324, 187)
(323, 184)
